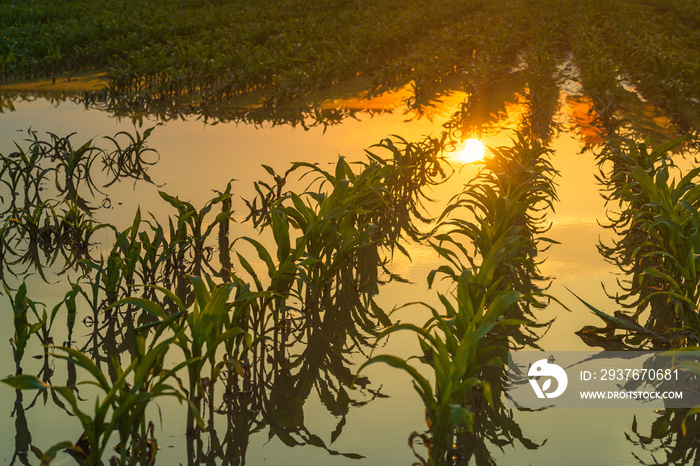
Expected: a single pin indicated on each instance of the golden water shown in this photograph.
(198, 158)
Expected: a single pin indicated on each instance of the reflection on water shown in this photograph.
(294, 389)
(323, 109)
(472, 151)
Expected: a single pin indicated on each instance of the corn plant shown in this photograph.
(200, 331)
(456, 347)
(130, 161)
(657, 225)
(123, 408)
(21, 305)
(503, 214)
(189, 234)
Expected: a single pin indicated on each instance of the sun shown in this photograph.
(473, 151)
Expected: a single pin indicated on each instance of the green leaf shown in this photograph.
(425, 390)
(148, 306)
(50, 454)
(25, 382)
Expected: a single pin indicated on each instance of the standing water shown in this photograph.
(308, 411)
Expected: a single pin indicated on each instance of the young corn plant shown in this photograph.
(501, 213)
(123, 408)
(201, 330)
(190, 255)
(458, 347)
(21, 305)
(658, 224)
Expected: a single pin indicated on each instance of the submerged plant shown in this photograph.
(464, 354)
(659, 228)
(130, 161)
(123, 408)
(21, 305)
(201, 331)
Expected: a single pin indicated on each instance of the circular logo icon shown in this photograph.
(543, 369)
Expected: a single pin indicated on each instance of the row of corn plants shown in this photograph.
(48, 193)
(659, 55)
(542, 74)
(654, 215)
(153, 294)
(453, 51)
(491, 64)
(464, 345)
(217, 50)
(599, 73)
(654, 218)
(206, 53)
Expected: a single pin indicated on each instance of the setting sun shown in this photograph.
(472, 151)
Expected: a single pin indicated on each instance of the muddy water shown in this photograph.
(196, 158)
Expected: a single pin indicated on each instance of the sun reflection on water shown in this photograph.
(472, 151)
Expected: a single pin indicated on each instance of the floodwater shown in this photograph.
(196, 158)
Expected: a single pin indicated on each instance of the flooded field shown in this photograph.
(193, 160)
(255, 245)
